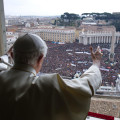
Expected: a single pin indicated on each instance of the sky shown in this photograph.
(58, 7)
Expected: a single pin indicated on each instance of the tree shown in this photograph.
(68, 18)
(116, 24)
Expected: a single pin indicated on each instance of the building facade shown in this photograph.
(98, 34)
(87, 34)
(53, 34)
(57, 35)
(97, 37)
(11, 37)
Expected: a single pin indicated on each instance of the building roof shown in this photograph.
(97, 28)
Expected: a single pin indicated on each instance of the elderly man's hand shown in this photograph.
(96, 56)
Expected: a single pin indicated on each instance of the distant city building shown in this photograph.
(64, 35)
(45, 26)
(14, 21)
(36, 24)
(27, 25)
(97, 34)
(101, 22)
(11, 38)
(116, 13)
(88, 21)
(58, 35)
(85, 34)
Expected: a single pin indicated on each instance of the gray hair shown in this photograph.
(30, 57)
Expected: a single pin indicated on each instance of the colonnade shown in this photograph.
(89, 38)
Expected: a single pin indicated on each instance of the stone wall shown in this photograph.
(106, 105)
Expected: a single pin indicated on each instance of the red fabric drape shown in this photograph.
(97, 115)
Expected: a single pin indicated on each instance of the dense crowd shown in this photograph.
(70, 58)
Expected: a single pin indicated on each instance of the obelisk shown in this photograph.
(111, 57)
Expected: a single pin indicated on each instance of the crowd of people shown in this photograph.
(70, 58)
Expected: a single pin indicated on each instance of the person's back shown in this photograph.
(24, 96)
